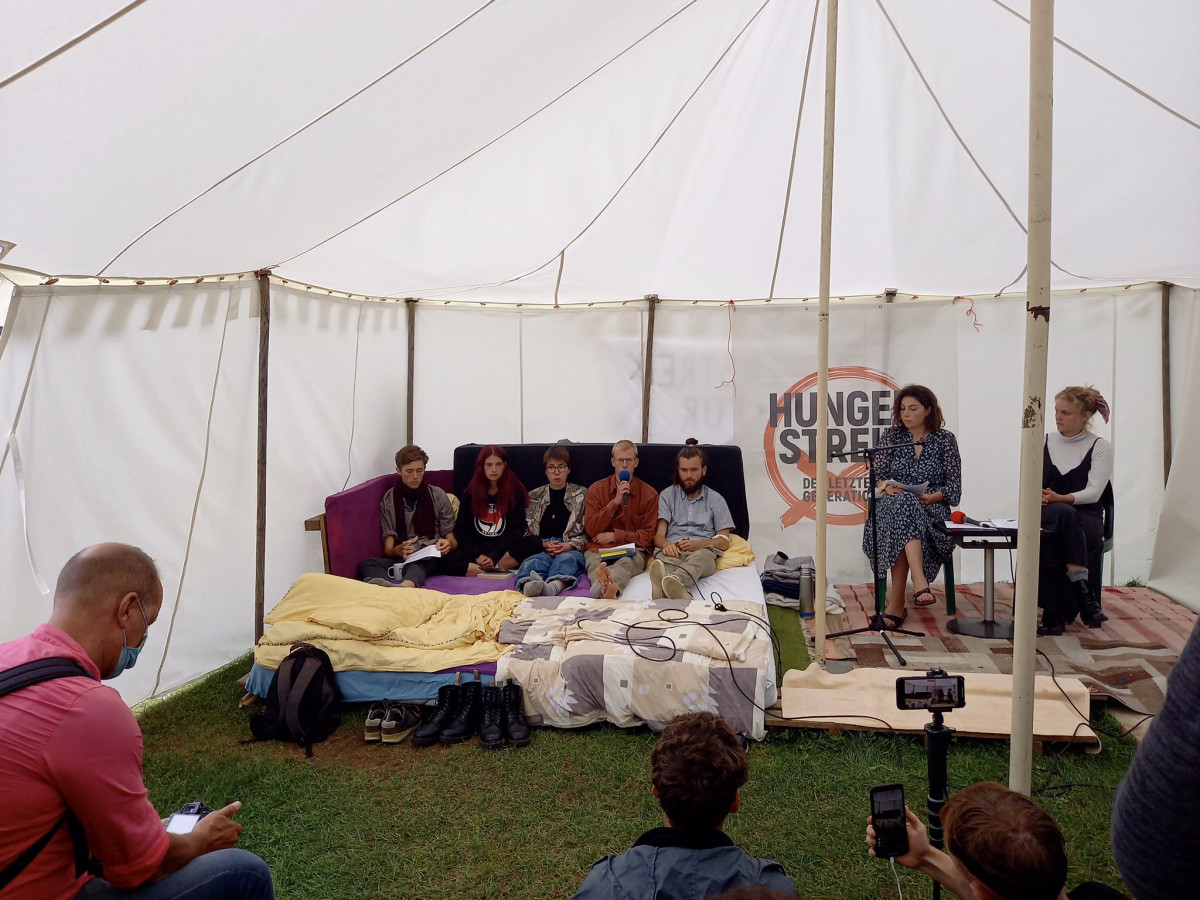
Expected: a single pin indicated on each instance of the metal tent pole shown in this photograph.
(1033, 416)
(260, 550)
(823, 329)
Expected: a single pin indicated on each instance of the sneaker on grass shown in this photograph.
(373, 726)
(400, 721)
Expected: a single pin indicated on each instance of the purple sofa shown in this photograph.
(350, 529)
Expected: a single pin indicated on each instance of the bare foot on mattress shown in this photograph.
(608, 585)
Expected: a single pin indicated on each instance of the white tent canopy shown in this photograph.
(496, 150)
(559, 154)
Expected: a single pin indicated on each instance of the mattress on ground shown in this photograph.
(364, 627)
(367, 687)
(635, 660)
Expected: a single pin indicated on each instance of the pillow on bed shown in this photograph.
(739, 554)
(453, 504)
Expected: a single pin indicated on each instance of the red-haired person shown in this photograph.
(491, 516)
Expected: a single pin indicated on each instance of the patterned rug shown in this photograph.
(1127, 660)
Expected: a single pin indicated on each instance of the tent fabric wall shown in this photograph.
(115, 434)
(1174, 570)
(139, 427)
(541, 151)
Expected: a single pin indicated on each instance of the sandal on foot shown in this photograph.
(894, 621)
(919, 602)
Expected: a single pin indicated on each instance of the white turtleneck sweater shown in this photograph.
(1067, 453)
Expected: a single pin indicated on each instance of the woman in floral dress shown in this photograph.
(909, 545)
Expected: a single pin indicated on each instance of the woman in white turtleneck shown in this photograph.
(1076, 468)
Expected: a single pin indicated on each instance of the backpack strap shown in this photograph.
(291, 711)
(11, 680)
(17, 866)
(38, 670)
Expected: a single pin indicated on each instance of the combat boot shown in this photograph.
(1089, 610)
(491, 731)
(447, 705)
(516, 729)
(465, 721)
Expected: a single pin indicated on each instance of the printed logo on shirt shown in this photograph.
(860, 409)
(491, 523)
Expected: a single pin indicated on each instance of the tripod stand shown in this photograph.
(877, 622)
(937, 742)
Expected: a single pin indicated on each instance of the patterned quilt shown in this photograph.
(634, 661)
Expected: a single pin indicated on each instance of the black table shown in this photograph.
(988, 539)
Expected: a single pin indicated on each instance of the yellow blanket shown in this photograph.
(386, 629)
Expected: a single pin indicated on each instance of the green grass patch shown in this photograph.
(371, 821)
(793, 645)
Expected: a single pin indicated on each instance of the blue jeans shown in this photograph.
(221, 875)
(566, 567)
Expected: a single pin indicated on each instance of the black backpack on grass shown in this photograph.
(303, 701)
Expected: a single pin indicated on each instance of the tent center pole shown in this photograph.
(648, 369)
(1033, 417)
(410, 309)
(822, 452)
(1166, 376)
(260, 549)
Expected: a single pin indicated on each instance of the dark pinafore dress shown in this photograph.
(1071, 534)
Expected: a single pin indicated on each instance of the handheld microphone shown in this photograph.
(958, 517)
(626, 477)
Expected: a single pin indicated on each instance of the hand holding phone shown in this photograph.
(888, 819)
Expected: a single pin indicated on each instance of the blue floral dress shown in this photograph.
(901, 518)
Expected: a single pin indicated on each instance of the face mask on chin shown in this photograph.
(129, 654)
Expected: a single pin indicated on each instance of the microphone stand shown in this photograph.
(877, 624)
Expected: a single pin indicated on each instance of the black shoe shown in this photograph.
(1050, 627)
(465, 722)
(1089, 610)
(447, 705)
(516, 729)
(491, 732)
(1092, 615)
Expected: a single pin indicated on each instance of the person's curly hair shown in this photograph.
(924, 396)
(697, 767)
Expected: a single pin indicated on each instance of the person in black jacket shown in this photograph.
(491, 516)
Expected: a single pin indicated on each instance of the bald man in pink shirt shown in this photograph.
(71, 749)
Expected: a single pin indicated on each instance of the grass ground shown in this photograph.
(370, 821)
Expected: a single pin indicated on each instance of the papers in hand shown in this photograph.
(917, 489)
(429, 551)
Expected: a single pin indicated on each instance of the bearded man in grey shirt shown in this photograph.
(694, 525)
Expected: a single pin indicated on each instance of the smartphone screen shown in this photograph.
(887, 812)
(924, 692)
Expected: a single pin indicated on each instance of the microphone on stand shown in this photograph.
(626, 477)
(958, 517)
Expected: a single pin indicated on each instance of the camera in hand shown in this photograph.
(183, 821)
(935, 690)
(887, 817)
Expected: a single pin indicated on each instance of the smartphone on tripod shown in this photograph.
(887, 816)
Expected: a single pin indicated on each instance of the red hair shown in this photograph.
(508, 491)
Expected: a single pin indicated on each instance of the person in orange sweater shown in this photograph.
(620, 509)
